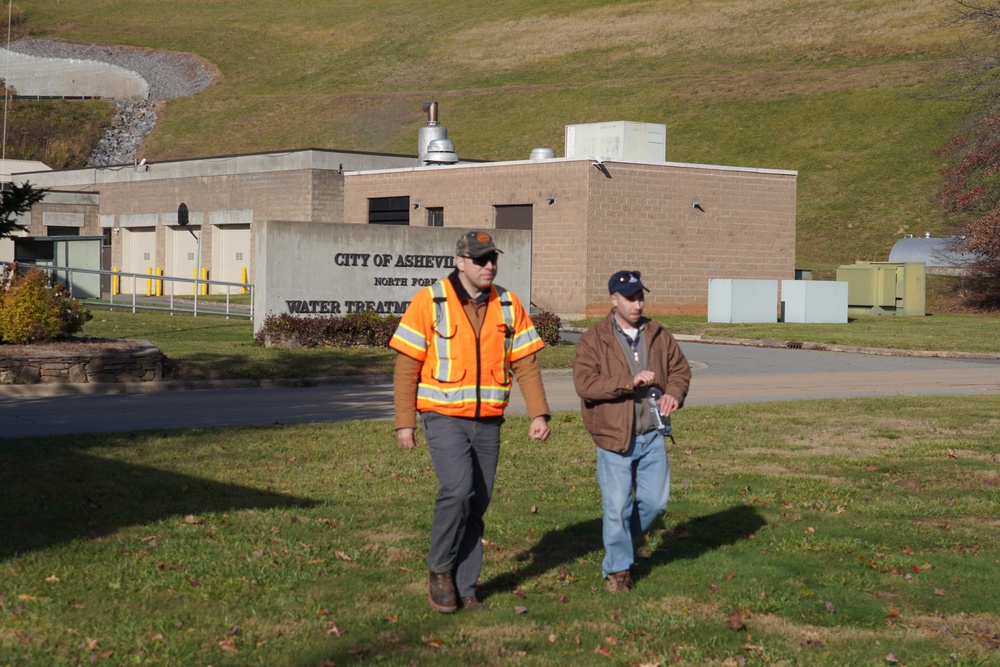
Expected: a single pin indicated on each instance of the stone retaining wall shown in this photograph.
(49, 364)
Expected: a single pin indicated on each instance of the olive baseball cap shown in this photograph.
(475, 244)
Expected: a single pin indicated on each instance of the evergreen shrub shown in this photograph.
(32, 311)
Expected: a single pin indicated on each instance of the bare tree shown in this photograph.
(970, 188)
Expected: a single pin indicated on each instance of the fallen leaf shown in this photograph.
(334, 629)
(952, 454)
(520, 610)
(552, 639)
(736, 621)
(391, 618)
(534, 509)
(891, 658)
(433, 641)
(52, 579)
(26, 598)
(830, 607)
(938, 591)
(603, 650)
(228, 646)
(519, 593)
(155, 636)
(342, 556)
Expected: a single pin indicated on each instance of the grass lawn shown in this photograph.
(839, 532)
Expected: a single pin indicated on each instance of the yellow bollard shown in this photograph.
(115, 281)
(159, 283)
(244, 280)
(204, 286)
(149, 282)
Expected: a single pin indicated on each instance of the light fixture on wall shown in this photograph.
(697, 205)
(416, 205)
(552, 200)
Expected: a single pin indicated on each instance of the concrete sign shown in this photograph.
(323, 269)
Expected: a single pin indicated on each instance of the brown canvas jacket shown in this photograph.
(604, 383)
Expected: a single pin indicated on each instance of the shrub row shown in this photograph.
(33, 311)
(358, 330)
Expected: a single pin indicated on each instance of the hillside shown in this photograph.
(842, 92)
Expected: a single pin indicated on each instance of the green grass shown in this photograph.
(844, 92)
(828, 533)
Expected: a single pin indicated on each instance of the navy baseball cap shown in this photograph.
(626, 283)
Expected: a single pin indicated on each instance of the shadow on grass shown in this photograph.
(50, 495)
(691, 539)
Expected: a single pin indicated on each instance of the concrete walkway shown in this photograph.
(726, 373)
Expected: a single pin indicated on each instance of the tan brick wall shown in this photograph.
(639, 217)
(643, 218)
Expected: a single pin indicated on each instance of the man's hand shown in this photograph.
(643, 379)
(668, 404)
(539, 428)
(407, 438)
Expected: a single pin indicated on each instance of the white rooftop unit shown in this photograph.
(618, 140)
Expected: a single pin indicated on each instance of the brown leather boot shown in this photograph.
(441, 592)
(619, 582)
(472, 603)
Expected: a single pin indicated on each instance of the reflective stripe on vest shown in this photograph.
(445, 330)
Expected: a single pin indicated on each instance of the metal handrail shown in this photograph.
(196, 309)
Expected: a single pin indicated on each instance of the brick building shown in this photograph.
(680, 224)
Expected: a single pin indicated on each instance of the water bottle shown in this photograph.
(661, 422)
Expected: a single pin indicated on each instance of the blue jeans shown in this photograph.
(635, 488)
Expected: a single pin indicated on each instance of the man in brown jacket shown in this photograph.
(630, 375)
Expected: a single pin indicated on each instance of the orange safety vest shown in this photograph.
(461, 374)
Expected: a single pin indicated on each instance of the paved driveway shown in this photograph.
(722, 374)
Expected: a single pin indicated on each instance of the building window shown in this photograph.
(55, 230)
(435, 216)
(389, 211)
(513, 217)
(106, 233)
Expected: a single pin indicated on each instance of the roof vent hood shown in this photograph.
(433, 145)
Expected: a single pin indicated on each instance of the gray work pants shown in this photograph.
(464, 453)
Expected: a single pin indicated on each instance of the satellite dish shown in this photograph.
(182, 215)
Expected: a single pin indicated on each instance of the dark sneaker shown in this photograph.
(619, 582)
(441, 592)
(470, 603)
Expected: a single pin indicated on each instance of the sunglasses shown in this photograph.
(630, 277)
(485, 259)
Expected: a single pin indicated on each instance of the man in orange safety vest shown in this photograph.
(460, 343)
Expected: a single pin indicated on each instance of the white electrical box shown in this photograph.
(742, 301)
(618, 140)
(814, 301)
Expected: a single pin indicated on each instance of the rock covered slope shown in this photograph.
(168, 75)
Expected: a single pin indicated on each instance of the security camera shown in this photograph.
(142, 162)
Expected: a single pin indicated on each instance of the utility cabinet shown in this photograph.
(742, 301)
(618, 140)
(885, 288)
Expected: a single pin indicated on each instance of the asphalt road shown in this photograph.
(722, 374)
